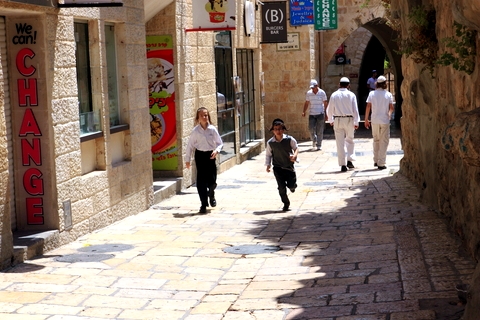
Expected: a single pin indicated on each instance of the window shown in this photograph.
(246, 97)
(89, 118)
(225, 94)
(111, 54)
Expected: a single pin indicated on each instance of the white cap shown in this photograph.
(313, 83)
(381, 79)
(344, 79)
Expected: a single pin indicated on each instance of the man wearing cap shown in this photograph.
(371, 81)
(380, 102)
(316, 98)
(344, 117)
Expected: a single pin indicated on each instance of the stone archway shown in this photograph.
(387, 37)
(365, 49)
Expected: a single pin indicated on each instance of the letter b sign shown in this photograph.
(274, 23)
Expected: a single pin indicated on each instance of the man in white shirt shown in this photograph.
(343, 115)
(316, 98)
(380, 102)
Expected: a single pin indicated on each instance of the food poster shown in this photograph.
(161, 98)
(214, 15)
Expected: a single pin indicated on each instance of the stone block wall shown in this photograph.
(440, 131)
(115, 189)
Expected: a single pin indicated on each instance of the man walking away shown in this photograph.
(316, 98)
(380, 102)
(343, 116)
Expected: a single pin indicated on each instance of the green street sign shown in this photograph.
(325, 14)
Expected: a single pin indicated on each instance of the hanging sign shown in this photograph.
(325, 14)
(209, 15)
(274, 22)
(301, 12)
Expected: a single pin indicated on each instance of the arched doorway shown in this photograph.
(388, 39)
(373, 59)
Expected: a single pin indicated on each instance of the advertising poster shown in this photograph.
(161, 100)
(301, 12)
(213, 15)
(31, 133)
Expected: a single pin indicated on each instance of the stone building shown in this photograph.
(74, 134)
(366, 40)
(204, 64)
(77, 140)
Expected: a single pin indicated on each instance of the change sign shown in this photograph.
(325, 14)
(274, 22)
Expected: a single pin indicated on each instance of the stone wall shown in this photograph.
(440, 126)
(117, 186)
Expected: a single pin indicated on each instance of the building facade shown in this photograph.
(217, 69)
(74, 133)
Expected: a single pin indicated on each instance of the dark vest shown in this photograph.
(281, 153)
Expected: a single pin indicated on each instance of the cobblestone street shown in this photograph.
(355, 245)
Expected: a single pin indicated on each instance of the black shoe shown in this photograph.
(293, 189)
(382, 167)
(286, 207)
(375, 164)
(350, 165)
(213, 202)
(202, 209)
(344, 169)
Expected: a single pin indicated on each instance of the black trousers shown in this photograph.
(206, 175)
(285, 178)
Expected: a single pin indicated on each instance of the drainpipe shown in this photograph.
(320, 67)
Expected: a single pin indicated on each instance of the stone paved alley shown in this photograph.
(355, 245)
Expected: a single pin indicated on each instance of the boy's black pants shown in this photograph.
(206, 175)
(286, 178)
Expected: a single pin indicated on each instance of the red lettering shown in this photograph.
(29, 92)
(29, 125)
(31, 152)
(20, 62)
(34, 210)
(32, 182)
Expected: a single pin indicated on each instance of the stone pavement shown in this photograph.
(355, 245)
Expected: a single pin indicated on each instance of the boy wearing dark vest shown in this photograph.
(282, 150)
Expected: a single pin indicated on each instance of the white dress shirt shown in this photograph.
(343, 102)
(203, 140)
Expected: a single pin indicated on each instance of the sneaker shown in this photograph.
(382, 167)
(319, 148)
(286, 207)
(350, 165)
(202, 209)
(344, 169)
